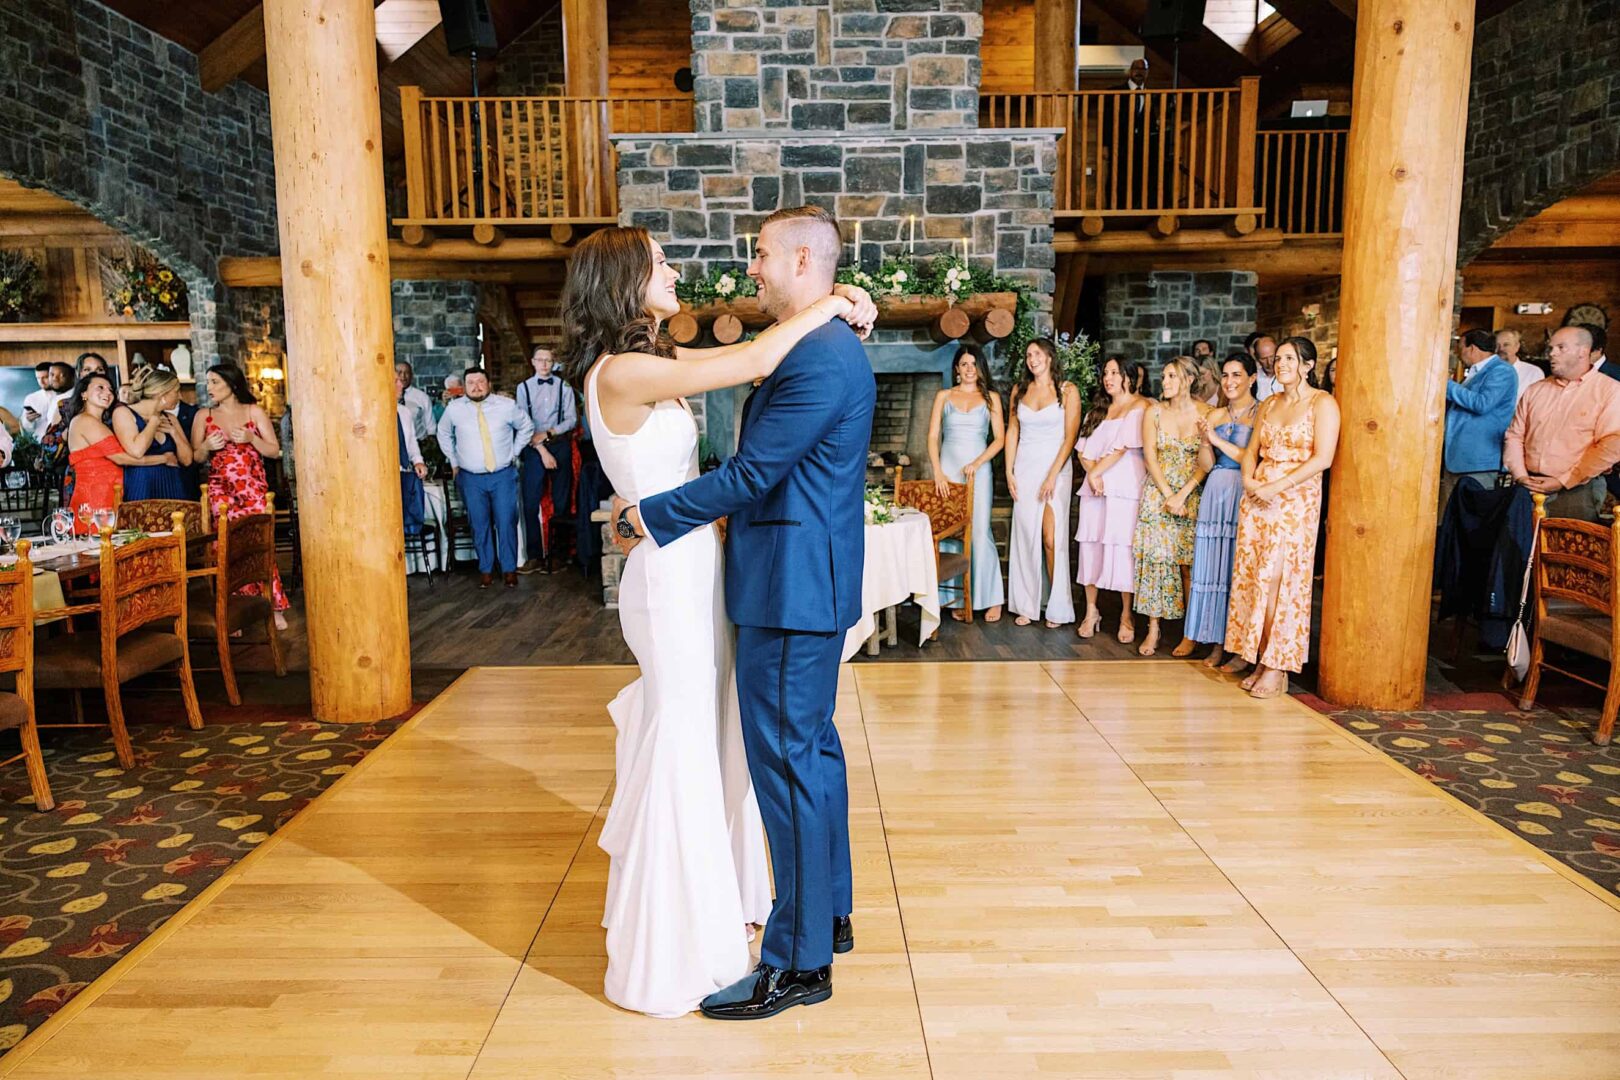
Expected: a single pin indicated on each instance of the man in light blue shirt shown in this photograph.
(1478, 412)
(547, 462)
(481, 435)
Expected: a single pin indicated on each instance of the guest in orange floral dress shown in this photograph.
(1269, 620)
(96, 457)
(234, 435)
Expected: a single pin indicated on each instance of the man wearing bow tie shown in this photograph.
(548, 460)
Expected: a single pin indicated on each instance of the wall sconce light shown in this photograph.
(1537, 307)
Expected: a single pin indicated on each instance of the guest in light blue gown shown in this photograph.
(965, 435)
(1226, 432)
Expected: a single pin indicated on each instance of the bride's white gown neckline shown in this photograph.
(687, 848)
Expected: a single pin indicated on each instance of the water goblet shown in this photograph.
(10, 530)
(61, 525)
(104, 517)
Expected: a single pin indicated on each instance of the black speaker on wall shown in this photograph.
(1179, 20)
(468, 26)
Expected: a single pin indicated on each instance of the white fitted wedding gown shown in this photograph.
(684, 834)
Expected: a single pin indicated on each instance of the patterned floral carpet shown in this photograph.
(1536, 773)
(125, 850)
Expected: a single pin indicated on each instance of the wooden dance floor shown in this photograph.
(1109, 870)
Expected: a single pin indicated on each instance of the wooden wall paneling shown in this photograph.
(1504, 284)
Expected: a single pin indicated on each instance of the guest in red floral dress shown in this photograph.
(234, 435)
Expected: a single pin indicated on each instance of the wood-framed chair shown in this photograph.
(952, 518)
(17, 655)
(244, 554)
(1577, 590)
(143, 628)
(155, 515)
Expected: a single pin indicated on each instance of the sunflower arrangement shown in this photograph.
(21, 286)
(138, 285)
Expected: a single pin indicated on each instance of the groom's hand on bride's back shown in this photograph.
(623, 543)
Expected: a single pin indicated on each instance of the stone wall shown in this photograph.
(1281, 313)
(531, 64)
(701, 196)
(446, 311)
(845, 65)
(111, 117)
(1543, 113)
(1139, 310)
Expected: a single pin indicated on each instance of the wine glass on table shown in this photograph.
(86, 514)
(104, 518)
(10, 530)
(61, 525)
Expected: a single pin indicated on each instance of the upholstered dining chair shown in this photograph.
(244, 554)
(142, 612)
(952, 518)
(155, 515)
(1577, 574)
(17, 655)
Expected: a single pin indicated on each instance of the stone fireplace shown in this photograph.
(869, 109)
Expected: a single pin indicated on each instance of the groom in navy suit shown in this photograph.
(795, 549)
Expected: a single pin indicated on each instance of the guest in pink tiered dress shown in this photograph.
(1111, 453)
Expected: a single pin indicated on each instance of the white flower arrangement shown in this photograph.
(958, 280)
(879, 507)
(726, 285)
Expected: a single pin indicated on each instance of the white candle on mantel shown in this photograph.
(912, 251)
(748, 239)
(964, 249)
(857, 244)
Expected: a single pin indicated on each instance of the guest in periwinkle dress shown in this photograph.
(1111, 453)
(1268, 622)
(1226, 433)
(147, 427)
(964, 435)
(1168, 521)
(1041, 433)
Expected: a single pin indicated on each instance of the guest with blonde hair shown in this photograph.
(1166, 525)
(148, 426)
(1226, 432)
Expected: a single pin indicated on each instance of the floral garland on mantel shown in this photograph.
(945, 276)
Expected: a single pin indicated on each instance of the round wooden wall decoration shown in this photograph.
(1587, 313)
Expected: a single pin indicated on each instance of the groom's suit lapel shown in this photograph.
(756, 397)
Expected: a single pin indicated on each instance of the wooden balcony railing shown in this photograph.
(1144, 152)
(527, 160)
(1301, 181)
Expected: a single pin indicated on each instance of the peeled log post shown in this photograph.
(952, 324)
(727, 329)
(326, 126)
(684, 329)
(1403, 189)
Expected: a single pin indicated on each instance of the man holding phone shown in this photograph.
(37, 405)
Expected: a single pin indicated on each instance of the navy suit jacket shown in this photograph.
(794, 491)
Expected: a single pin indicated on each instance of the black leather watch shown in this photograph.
(622, 526)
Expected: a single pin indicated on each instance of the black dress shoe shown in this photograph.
(767, 992)
(843, 934)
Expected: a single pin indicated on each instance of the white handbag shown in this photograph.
(1518, 646)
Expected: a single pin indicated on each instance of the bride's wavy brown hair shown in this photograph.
(602, 300)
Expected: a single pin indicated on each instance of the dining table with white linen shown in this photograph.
(900, 566)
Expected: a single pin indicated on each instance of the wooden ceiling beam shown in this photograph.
(233, 52)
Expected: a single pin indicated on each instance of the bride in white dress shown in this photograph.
(688, 879)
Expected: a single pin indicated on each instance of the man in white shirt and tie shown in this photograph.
(547, 462)
(481, 435)
(416, 400)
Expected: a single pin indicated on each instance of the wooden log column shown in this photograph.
(1057, 31)
(327, 130)
(1403, 190)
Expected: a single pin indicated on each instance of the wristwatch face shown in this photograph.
(626, 530)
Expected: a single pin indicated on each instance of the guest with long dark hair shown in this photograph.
(234, 436)
(1268, 621)
(1226, 433)
(1111, 453)
(96, 457)
(965, 433)
(1041, 433)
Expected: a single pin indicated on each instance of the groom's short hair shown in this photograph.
(810, 227)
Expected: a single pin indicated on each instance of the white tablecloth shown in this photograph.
(899, 567)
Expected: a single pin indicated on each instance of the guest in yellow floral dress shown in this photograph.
(1167, 522)
(1269, 620)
